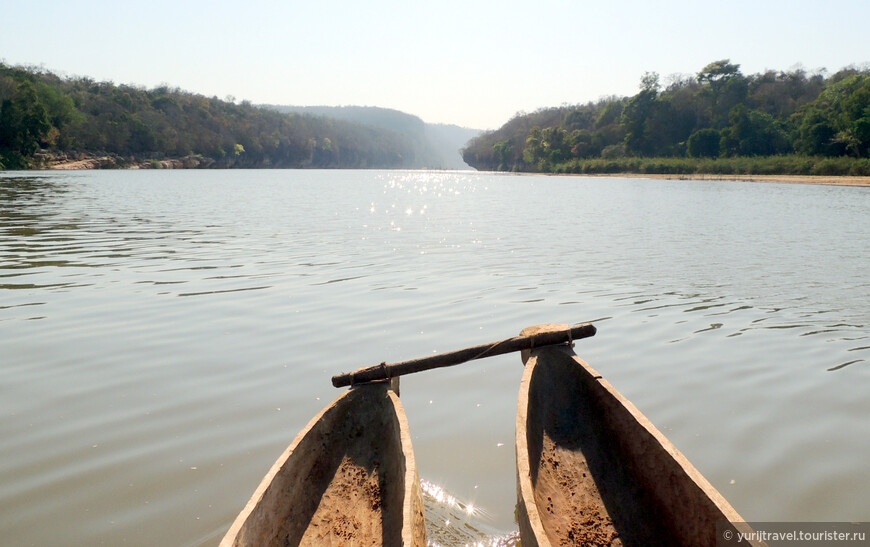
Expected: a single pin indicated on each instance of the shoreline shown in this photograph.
(85, 162)
(88, 162)
(829, 180)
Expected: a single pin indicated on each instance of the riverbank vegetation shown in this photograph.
(717, 121)
(734, 165)
(44, 117)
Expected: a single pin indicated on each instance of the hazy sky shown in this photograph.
(472, 63)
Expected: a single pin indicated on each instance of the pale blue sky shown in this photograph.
(472, 63)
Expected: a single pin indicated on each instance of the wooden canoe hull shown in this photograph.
(593, 470)
(349, 477)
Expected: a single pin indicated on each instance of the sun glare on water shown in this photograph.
(452, 522)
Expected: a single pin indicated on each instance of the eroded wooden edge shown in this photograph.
(726, 510)
(531, 526)
(413, 519)
(529, 520)
(232, 534)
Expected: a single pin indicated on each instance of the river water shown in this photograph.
(165, 334)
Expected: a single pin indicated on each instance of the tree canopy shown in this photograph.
(717, 113)
(40, 110)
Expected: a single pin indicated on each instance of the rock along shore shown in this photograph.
(83, 160)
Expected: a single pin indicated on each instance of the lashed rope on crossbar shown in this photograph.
(570, 343)
(385, 371)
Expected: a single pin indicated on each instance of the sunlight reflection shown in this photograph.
(450, 521)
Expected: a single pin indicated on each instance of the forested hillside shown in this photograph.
(449, 140)
(40, 110)
(718, 120)
(436, 145)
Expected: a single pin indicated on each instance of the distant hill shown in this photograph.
(438, 146)
(47, 120)
(450, 140)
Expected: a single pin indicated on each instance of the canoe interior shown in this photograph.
(592, 470)
(348, 478)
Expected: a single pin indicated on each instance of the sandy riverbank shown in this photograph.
(795, 179)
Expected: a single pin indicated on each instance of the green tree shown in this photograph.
(718, 72)
(610, 114)
(838, 122)
(704, 143)
(24, 125)
(636, 114)
(503, 151)
(753, 133)
(556, 143)
(584, 144)
(724, 83)
(533, 151)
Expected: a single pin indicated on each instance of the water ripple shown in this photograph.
(709, 321)
(846, 364)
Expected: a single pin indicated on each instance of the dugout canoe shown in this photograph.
(593, 470)
(348, 478)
